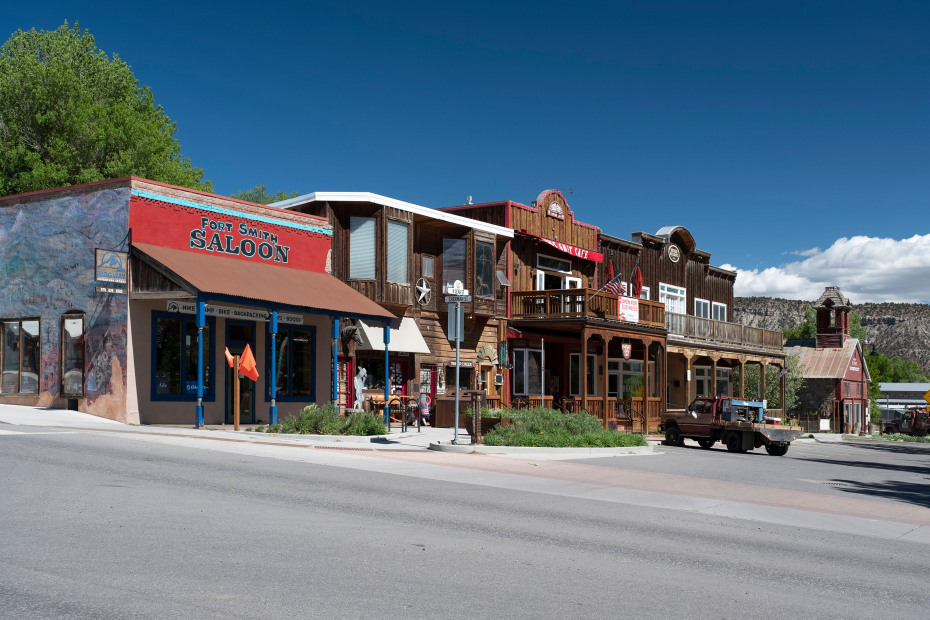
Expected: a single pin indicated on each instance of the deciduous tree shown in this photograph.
(70, 114)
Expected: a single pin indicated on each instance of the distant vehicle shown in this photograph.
(915, 421)
(739, 424)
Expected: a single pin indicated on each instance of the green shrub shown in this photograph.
(542, 427)
(325, 420)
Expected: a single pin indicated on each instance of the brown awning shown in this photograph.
(267, 284)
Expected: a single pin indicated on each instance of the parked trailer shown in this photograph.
(740, 425)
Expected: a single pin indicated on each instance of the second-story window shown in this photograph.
(397, 251)
(453, 262)
(428, 267)
(702, 308)
(484, 269)
(674, 298)
(720, 312)
(362, 248)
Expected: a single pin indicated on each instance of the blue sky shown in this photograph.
(791, 138)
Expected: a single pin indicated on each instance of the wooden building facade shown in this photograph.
(704, 346)
(571, 345)
(407, 258)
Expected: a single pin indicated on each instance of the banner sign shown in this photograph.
(202, 228)
(231, 312)
(574, 251)
(628, 309)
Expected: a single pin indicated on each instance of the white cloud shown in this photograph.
(810, 252)
(867, 269)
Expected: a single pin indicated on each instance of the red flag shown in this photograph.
(637, 281)
(229, 358)
(609, 271)
(247, 364)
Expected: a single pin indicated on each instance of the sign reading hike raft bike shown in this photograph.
(203, 228)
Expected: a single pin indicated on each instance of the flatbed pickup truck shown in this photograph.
(740, 424)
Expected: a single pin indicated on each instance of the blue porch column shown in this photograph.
(273, 328)
(387, 374)
(201, 322)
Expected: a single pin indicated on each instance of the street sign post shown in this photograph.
(457, 298)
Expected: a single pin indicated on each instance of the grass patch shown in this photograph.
(325, 420)
(900, 437)
(549, 428)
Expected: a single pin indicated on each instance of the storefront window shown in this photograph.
(527, 367)
(175, 352)
(295, 363)
(575, 375)
(22, 354)
(466, 377)
(72, 355)
(374, 369)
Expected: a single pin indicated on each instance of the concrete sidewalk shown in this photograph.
(423, 438)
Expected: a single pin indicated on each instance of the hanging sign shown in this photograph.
(627, 350)
(231, 312)
(110, 266)
(628, 309)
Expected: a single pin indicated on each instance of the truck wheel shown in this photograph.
(777, 449)
(706, 443)
(733, 442)
(889, 430)
(673, 436)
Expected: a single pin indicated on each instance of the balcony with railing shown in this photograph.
(697, 328)
(583, 303)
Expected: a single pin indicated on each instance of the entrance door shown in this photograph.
(238, 334)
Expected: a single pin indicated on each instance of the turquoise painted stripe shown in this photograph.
(258, 218)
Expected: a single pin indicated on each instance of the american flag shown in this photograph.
(614, 286)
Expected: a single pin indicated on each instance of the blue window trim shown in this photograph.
(209, 348)
(282, 397)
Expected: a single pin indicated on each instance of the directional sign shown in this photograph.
(457, 298)
(927, 396)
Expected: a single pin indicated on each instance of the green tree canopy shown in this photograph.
(794, 380)
(69, 114)
(259, 194)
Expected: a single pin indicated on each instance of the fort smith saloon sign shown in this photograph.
(204, 228)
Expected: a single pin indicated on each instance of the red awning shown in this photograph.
(571, 250)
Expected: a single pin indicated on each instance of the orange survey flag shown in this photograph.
(247, 364)
(229, 358)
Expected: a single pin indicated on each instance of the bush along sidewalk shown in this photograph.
(325, 420)
(542, 428)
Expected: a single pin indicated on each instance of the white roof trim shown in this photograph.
(396, 204)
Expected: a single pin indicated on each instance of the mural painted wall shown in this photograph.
(47, 268)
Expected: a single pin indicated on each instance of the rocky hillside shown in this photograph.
(896, 330)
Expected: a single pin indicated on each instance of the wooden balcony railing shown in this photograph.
(580, 302)
(720, 331)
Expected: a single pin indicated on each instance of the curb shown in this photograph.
(522, 450)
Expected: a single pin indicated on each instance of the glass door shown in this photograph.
(238, 334)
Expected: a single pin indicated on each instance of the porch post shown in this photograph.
(762, 367)
(742, 379)
(646, 385)
(713, 375)
(335, 336)
(583, 380)
(201, 321)
(273, 328)
(387, 374)
(606, 378)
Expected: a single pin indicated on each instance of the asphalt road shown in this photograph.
(876, 470)
(111, 526)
